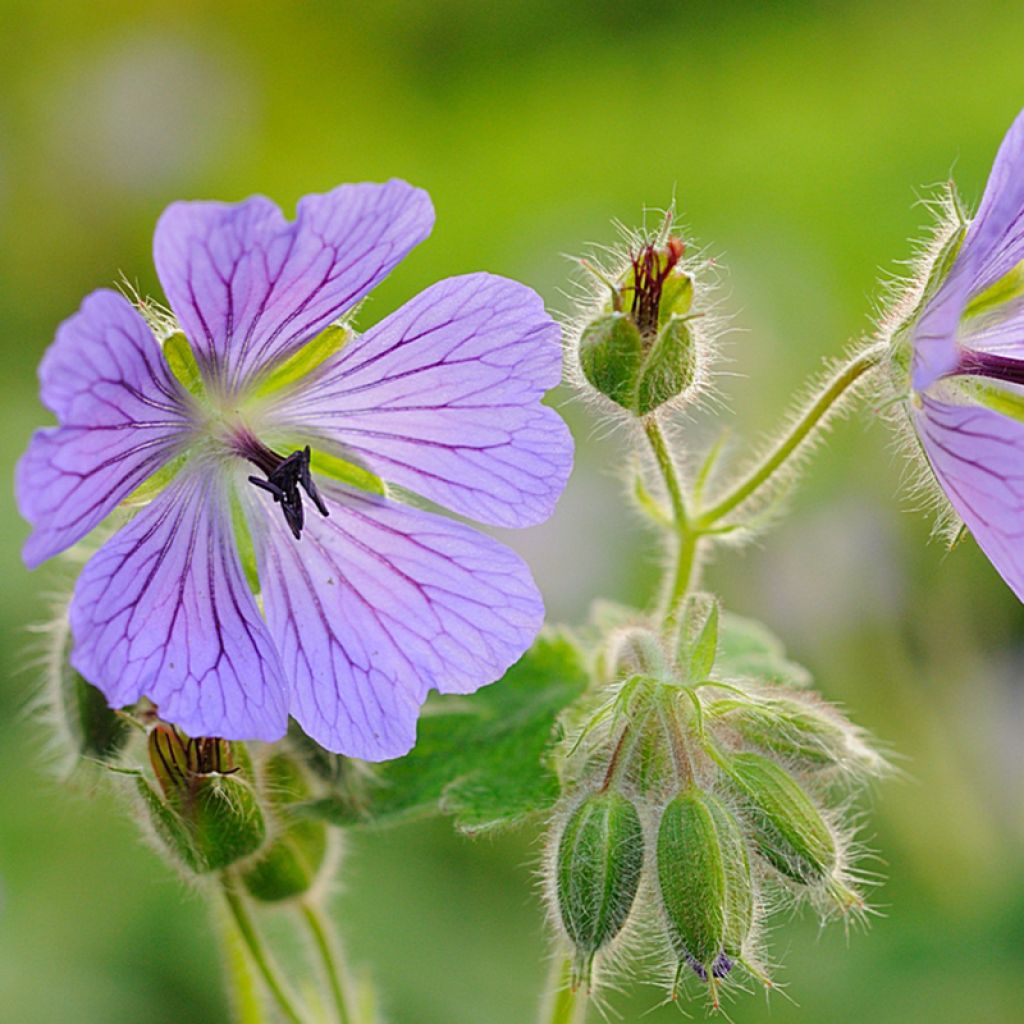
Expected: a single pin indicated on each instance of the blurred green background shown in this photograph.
(796, 138)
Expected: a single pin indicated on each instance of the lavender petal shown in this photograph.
(978, 458)
(121, 414)
(250, 287)
(443, 397)
(381, 603)
(163, 611)
(993, 246)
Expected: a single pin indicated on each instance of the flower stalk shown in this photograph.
(260, 956)
(837, 388)
(334, 967)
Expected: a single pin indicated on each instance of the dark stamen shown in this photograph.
(285, 475)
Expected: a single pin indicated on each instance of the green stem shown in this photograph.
(562, 1003)
(246, 999)
(686, 535)
(844, 378)
(259, 954)
(333, 964)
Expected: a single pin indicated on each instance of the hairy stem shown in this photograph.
(841, 382)
(259, 954)
(333, 964)
(562, 1004)
(243, 992)
(686, 536)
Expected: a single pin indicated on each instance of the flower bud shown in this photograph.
(707, 893)
(789, 831)
(292, 860)
(640, 351)
(611, 352)
(808, 733)
(669, 369)
(597, 872)
(209, 816)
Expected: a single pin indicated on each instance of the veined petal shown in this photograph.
(443, 397)
(978, 458)
(380, 603)
(163, 610)
(122, 416)
(995, 240)
(992, 247)
(1001, 333)
(249, 286)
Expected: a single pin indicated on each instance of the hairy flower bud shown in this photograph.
(292, 861)
(706, 888)
(789, 831)
(209, 816)
(803, 731)
(597, 872)
(640, 350)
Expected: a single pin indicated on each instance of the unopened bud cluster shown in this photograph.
(698, 801)
(639, 348)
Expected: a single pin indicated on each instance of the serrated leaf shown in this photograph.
(483, 759)
(747, 649)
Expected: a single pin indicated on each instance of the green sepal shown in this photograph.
(303, 362)
(788, 830)
(483, 759)
(611, 352)
(182, 362)
(597, 873)
(676, 296)
(669, 369)
(698, 637)
(96, 729)
(292, 861)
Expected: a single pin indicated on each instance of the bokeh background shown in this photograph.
(797, 139)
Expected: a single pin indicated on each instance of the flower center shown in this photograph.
(285, 474)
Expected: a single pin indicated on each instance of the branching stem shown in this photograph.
(845, 377)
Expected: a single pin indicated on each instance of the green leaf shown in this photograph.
(748, 649)
(484, 759)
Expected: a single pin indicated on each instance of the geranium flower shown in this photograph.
(966, 353)
(273, 573)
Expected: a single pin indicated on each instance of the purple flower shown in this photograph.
(966, 349)
(273, 573)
